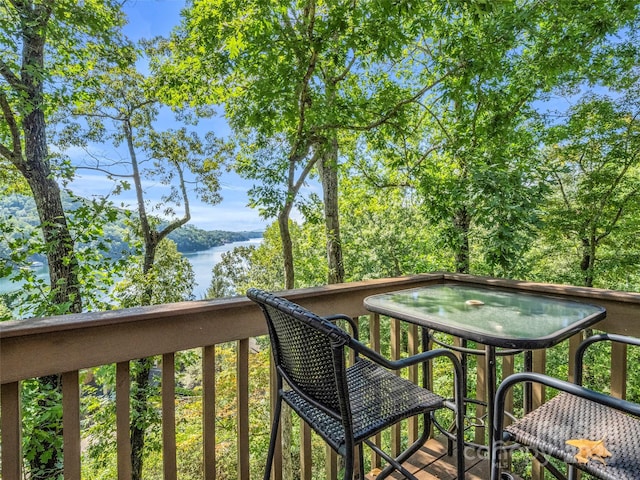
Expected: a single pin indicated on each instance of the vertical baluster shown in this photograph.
(209, 411)
(123, 439)
(508, 367)
(71, 424)
(305, 451)
(539, 365)
(352, 355)
(11, 467)
(464, 362)
(374, 341)
(396, 439)
(331, 464)
(574, 341)
(169, 417)
(243, 408)
(491, 381)
(619, 370)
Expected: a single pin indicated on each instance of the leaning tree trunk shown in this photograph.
(286, 426)
(62, 262)
(63, 265)
(143, 389)
(287, 248)
(65, 288)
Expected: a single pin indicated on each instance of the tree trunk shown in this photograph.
(140, 405)
(462, 223)
(61, 259)
(141, 367)
(286, 427)
(588, 260)
(63, 264)
(287, 248)
(328, 167)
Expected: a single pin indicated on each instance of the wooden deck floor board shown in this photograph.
(431, 462)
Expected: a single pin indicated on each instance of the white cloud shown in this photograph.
(233, 188)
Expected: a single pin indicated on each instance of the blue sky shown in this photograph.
(147, 19)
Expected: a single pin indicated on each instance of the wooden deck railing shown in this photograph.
(68, 344)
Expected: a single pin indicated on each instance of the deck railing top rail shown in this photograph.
(72, 342)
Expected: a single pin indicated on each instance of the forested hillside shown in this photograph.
(21, 210)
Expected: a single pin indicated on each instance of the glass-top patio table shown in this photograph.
(491, 316)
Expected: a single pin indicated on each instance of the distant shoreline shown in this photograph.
(190, 239)
(8, 287)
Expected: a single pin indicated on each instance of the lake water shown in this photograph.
(202, 263)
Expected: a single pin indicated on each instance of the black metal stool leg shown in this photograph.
(348, 463)
(361, 459)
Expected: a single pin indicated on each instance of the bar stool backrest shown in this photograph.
(308, 351)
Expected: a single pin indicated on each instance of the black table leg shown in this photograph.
(490, 367)
(528, 387)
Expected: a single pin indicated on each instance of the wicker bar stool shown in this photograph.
(576, 413)
(346, 406)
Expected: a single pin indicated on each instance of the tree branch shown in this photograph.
(14, 156)
(102, 114)
(424, 156)
(307, 169)
(187, 213)
(105, 171)
(11, 78)
(8, 154)
(565, 199)
(385, 118)
(345, 72)
(298, 152)
(438, 121)
(376, 181)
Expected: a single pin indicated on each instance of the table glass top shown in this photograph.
(486, 312)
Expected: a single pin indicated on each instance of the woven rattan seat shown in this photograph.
(378, 398)
(566, 417)
(576, 413)
(345, 406)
